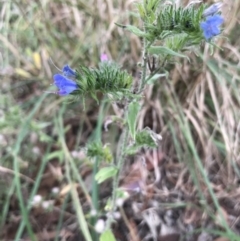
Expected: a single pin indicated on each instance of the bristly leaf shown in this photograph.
(176, 42)
(172, 20)
(148, 9)
(148, 138)
(144, 138)
(107, 236)
(105, 173)
(137, 31)
(108, 78)
(133, 110)
(173, 28)
(161, 50)
(154, 78)
(96, 149)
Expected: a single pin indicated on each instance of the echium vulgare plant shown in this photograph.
(167, 31)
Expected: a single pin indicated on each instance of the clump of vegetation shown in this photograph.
(123, 151)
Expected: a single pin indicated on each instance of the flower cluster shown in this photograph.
(65, 85)
(211, 26)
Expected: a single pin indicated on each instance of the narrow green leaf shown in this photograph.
(144, 138)
(141, 10)
(80, 215)
(120, 25)
(56, 154)
(147, 137)
(94, 96)
(132, 150)
(155, 77)
(107, 236)
(165, 51)
(133, 110)
(136, 31)
(105, 173)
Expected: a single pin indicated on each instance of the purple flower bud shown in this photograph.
(211, 27)
(68, 72)
(65, 85)
(104, 57)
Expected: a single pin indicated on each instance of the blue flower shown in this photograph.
(68, 72)
(213, 9)
(65, 85)
(211, 27)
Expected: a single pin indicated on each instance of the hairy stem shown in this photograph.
(125, 135)
(146, 45)
(120, 163)
(144, 65)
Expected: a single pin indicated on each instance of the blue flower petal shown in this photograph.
(66, 91)
(68, 72)
(203, 25)
(65, 85)
(215, 31)
(214, 8)
(216, 20)
(211, 27)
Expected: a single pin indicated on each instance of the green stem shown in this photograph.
(144, 65)
(16, 150)
(22, 205)
(155, 71)
(97, 137)
(95, 186)
(83, 225)
(120, 163)
(125, 135)
(95, 198)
